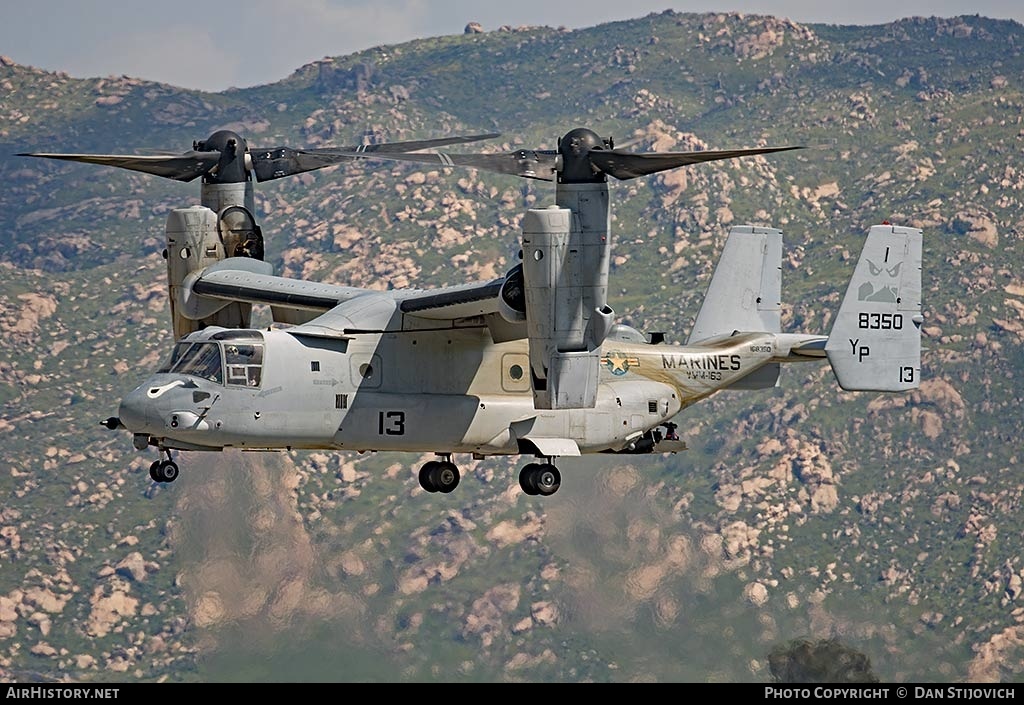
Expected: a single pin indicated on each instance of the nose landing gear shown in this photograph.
(164, 470)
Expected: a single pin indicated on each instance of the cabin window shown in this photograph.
(244, 362)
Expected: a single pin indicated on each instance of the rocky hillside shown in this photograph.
(891, 523)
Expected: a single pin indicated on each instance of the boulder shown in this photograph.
(755, 593)
(544, 613)
(43, 649)
(108, 610)
(132, 567)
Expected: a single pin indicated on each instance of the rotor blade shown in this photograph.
(180, 167)
(278, 162)
(412, 146)
(628, 165)
(527, 163)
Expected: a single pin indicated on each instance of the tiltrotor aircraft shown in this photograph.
(532, 363)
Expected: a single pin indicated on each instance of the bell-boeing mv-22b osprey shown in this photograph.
(532, 363)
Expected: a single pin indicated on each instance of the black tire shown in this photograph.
(526, 479)
(547, 479)
(169, 471)
(426, 482)
(154, 471)
(445, 477)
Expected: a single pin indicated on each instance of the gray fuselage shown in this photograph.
(428, 391)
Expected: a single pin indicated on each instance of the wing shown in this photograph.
(329, 310)
(462, 306)
(380, 311)
(453, 302)
(249, 281)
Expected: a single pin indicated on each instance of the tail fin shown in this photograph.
(745, 292)
(875, 343)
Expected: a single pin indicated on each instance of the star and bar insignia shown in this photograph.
(619, 364)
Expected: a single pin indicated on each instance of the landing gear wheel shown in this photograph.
(445, 477)
(164, 471)
(425, 476)
(540, 479)
(526, 479)
(169, 471)
(547, 479)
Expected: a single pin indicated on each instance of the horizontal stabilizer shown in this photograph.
(875, 343)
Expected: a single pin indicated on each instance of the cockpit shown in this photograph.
(232, 357)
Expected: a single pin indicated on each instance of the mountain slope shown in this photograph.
(890, 522)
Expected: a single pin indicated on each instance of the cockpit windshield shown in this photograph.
(179, 350)
(197, 359)
(243, 358)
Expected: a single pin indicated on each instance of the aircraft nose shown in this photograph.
(135, 411)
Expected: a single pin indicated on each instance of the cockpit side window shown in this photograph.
(200, 360)
(244, 363)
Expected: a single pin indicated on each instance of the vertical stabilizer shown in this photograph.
(745, 292)
(875, 343)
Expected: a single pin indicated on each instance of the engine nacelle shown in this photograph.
(565, 335)
(197, 237)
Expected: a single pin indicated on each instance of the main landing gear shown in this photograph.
(164, 470)
(535, 478)
(439, 475)
(540, 479)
